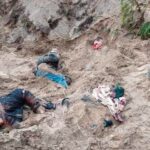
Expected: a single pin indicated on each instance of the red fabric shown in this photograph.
(97, 44)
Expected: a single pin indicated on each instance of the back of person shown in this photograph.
(12, 105)
(52, 59)
(12, 99)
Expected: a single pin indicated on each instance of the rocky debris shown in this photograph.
(80, 127)
(17, 35)
(6, 6)
(147, 15)
(14, 15)
(65, 19)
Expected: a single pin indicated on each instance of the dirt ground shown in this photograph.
(123, 59)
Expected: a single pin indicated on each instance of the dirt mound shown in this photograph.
(123, 58)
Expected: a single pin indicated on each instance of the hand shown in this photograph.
(1, 121)
(41, 110)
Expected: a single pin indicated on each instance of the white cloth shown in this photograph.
(103, 93)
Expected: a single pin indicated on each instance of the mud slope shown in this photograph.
(124, 58)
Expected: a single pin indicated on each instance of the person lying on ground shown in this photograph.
(11, 106)
(51, 58)
(43, 65)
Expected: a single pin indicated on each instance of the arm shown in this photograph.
(51, 59)
(42, 59)
(31, 100)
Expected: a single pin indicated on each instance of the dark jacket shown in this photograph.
(13, 105)
(51, 59)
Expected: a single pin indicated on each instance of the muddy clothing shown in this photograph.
(51, 59)
(13, 103)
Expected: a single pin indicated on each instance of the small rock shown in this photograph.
(80, 14)
(16, 35)
(19, 47)
(89, 67)
(30, 38)
(147, 15)
(75, 1)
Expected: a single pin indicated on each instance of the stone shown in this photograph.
(147, 15)
(17, 35)
(75, 1)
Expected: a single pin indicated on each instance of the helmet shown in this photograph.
(55, 51)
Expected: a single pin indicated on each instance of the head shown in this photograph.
(55, 50)
(99, 38)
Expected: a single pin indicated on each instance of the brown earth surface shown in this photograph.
(124, 58)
